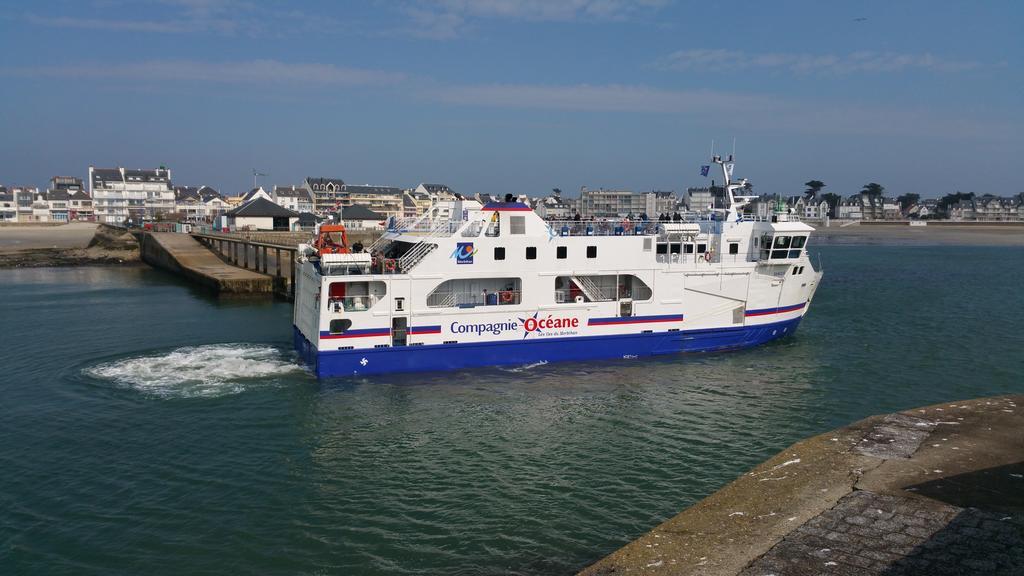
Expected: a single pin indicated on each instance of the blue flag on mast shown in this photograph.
(704, 171)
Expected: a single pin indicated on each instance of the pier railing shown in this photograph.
(236, 249)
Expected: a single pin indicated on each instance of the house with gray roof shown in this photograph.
(295, 198)
(262, 214)
(361, 217)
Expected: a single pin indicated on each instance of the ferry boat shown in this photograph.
(496, 284)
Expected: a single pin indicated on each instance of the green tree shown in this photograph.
(908, 200)
(873, 189)
(833, 203)
(949, 199)
(813, 187)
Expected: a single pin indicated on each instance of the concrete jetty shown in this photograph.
(935, 490)
(182, 254)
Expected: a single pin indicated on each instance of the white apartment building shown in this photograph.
(120, 194)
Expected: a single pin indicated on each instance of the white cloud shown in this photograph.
(229, 17)
(268, 72)
(599, 98)
(862, 61)
(731, 110)
(446, 19)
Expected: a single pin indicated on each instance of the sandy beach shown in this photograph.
(966, 235)
(74, 244)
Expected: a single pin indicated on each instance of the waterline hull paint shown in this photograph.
(364, 362)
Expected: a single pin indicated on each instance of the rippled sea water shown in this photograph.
(146, 428)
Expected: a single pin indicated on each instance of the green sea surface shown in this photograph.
(146, 428)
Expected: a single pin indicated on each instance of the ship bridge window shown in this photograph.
(354, 296)
(600, 288)
(471, 292)
(561, 252)
(592, 251)
(531, 252)
(782, 247)
(499, 252)
(734, 248)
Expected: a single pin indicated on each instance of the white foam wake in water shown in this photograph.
(206, 371)
(524, 367)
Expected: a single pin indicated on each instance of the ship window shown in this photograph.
(592, 250)
(340, 325)
(499, 252)
(517, 224)
(354, 296)
(600, 288)
(647, 244)
(662, 248)
(688, 248)
(702, 248)
(781, 242)
(674, 248)
(798, 241)
(472, 292)
(734, 248)
(531, 252)
(561, 252)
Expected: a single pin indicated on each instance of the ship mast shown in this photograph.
(732, 213)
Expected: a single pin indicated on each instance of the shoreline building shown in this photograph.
(602, 203)
(69, 200)
(199, 204)
(325, 192)
(121, 194)
(294, 198)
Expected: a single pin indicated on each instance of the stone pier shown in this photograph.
(182, 254)
(935, 490)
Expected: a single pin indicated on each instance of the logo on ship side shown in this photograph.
(463, 253)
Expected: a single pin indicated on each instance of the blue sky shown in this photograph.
(517, 96)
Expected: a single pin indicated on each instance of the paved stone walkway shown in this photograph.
(868, 534)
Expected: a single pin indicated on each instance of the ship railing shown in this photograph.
(460, 299)
(423, 226)
(603, 227)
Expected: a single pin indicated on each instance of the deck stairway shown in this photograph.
(591, 289)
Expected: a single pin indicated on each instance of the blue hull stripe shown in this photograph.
(616, 320)
(779, 310)
(432, 357)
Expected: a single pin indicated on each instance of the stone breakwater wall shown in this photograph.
(933, 490)
(183, 255)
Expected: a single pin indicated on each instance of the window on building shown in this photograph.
(734, 248)
(592, 250)
(561, 252)
(531, 252)
(499, 252)
(517, 224)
